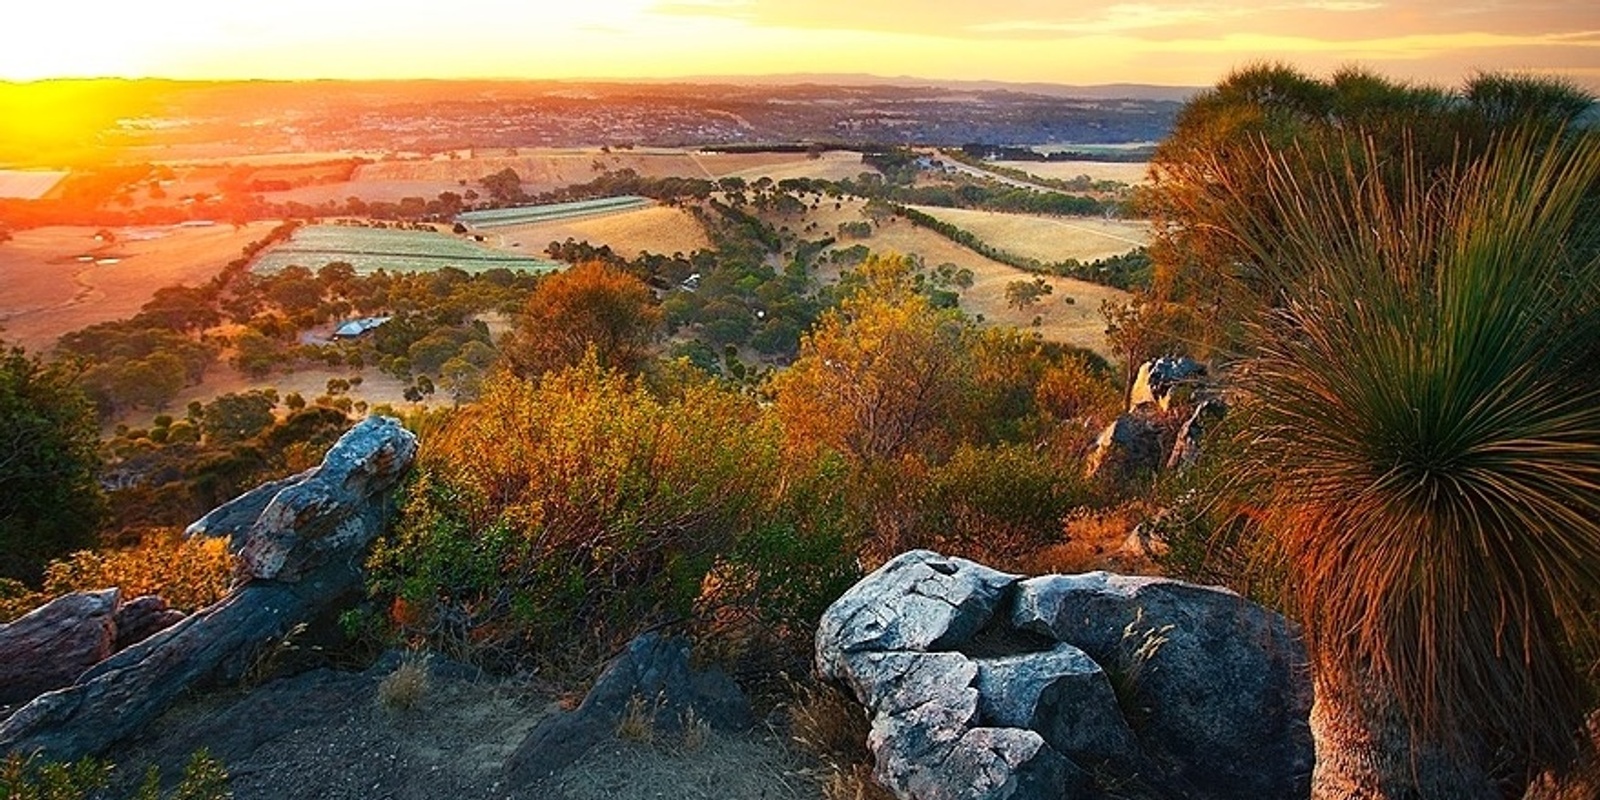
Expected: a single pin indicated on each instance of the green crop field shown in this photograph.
(502, 217)
(372, 249)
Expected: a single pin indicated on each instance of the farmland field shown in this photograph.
(46, 290)
(1047, 239)
(1123, 172)
(1077, 322)
(28, 184)
(546, 169)
(654, 229)
(372, 249)
(523, 215)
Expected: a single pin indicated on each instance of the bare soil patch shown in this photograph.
(1047, 239)
(376, 389)
(46, 291)
(326, 734)
(657, 229)
(1132, 173)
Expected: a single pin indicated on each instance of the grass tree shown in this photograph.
(1424, 434)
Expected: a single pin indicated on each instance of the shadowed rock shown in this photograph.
(52, 645)
(300, 554)
(652, 672)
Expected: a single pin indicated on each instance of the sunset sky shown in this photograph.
(1079, 42)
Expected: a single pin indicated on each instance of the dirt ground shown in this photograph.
(46, 291)
(326, 735)
(656, 229)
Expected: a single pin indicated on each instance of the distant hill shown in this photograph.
(1104, 91)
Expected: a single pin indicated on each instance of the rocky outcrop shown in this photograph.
(1186, 448)
(52, 645)
(1158, 378)
(1133, 444)
(1162, 428)
(985, 685)
(652, 675)
(300, 543)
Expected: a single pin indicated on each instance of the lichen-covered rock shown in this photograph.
(1218, 685)
(1044, 688)
(1064, 695)
(918, 601)
(49, 647)
(305, 520)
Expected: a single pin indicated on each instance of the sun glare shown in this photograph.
(1004, 40)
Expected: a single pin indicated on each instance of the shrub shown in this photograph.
(572, 512)
(187, 573)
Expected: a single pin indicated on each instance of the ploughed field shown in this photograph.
(550, 212)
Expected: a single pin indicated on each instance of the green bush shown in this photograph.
(570, 513)
(204, 778)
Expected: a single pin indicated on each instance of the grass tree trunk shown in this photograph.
(1365, 751)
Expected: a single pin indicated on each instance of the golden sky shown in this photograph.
(1057, 41)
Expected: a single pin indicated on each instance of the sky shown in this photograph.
(1053, 41)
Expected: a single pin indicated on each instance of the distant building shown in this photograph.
(356, 327)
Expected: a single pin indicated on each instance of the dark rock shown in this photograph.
(1187, 446)
(653, 670)
(49, 647)
(1129, 446)
(304, 555)
(1158, 378)
(1064, 695)
(1217, 686)
(141, 617)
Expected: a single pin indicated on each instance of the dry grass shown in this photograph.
(656, 229)
(832, 727)
(1091, 541)
(1071, 313)
(638, 722)
(45, 291)
(1077, 322)
(1047, 239)
(1130, 173)
(404, 688)
(834, 165)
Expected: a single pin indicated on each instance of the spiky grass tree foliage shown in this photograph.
(1426, 438)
